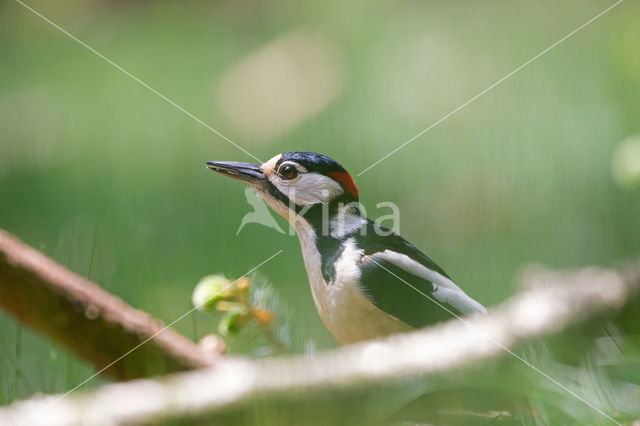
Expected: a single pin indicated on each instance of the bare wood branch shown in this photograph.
(92, 323)
(311, 390)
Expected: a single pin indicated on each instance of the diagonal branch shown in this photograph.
(338, 387)
(90, 322)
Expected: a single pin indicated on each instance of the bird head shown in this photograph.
(294, 182)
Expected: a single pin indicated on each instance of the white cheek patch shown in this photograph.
(309, 188)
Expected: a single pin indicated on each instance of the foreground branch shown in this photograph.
(92, 323)
(339, 386)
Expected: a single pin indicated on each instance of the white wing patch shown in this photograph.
(446, 291)
(405, 262)
(459, 300)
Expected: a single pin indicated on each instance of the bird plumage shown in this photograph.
(393, 275)
(366, 281)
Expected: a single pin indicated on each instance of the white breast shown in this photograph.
(344, 309)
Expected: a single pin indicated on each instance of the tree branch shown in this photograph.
(339, 386)
(90, 322)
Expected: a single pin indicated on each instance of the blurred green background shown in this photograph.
(108, 178)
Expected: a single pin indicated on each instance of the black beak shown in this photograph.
(246, 172)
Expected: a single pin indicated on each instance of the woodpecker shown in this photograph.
(366, 281)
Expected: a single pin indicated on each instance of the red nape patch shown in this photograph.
(346, 182)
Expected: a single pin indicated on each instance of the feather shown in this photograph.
(403, 282)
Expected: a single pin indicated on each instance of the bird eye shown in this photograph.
(288, 171)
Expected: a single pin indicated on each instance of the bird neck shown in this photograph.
(324, 236)
(333, 220)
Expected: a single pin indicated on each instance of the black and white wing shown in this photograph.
(403, 282)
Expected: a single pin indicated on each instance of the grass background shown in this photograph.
(107, 178)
